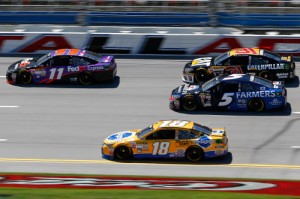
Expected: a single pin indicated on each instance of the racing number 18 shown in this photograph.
(160, 148)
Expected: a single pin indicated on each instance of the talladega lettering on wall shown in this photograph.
(190, 44)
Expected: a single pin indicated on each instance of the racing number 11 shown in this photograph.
(59, 74)
(160, 148)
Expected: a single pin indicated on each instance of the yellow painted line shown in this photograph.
(37, 160)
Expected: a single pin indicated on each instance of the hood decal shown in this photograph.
(119, 136)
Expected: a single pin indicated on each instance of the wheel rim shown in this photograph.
(85, 79)
(256, 105)
(189, 104)
(123, 153)
(25, 78)
(201, 76)
(193, 154)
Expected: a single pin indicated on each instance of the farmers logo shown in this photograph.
(204, 142)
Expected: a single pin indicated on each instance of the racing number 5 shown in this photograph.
(160, 148)
(226, 99)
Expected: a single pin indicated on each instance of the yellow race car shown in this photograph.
(167, 139)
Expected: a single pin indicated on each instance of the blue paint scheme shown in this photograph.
(113, 137)
(211, 154)
(126, 134)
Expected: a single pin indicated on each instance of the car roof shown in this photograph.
(173, 124)
(71, 51)
(239, 77)
(246, 51)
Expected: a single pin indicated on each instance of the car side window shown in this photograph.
(248, 87)
(230, 87)
(162, 135)
(259, 60)
(60, 61)
(185, 134)
(82, 61)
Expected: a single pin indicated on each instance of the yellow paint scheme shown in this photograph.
(244, 51)
(287, 58)
(213, 145)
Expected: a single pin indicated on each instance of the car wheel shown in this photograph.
(24, 78)
(201, 75)
(85, 78)
(266, 75)
(256, 105)
(123, 153)
(189, 103)
(194, 153)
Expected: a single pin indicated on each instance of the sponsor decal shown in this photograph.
(93, 68)
(205, 142)
(142, 146)
(255, 94)
(219, 152)
(119, 136)
(202, 61)
(180, 153)
(275, 102)
(183, 143)
(73, 68)
(282, 75)
(266, 67)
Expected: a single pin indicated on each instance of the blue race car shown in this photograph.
(232, 92)
(63, 65)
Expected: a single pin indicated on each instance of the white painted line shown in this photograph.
(3, 140)
(9, 106)
(295, 147)
(2, 76)
(296, 112)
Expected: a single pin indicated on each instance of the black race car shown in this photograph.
(252, 61)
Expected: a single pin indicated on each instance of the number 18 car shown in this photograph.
(63, 65)
(239, 92)
(167, 139)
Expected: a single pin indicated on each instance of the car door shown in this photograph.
(227, 91)
(161, 143)
(58, 66)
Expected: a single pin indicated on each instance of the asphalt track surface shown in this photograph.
(59, 128)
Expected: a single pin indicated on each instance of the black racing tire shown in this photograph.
(256, 105)
(194, 154)
(122, 153)
(189, 103)
(24, 77)
(267, 75)
(85, 78)
(201, 75)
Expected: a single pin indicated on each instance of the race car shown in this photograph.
(63, 65)
(167, 139)
(254, 61)
(239, 92)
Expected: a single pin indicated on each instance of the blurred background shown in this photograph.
(243, 14)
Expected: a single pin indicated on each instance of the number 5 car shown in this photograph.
(239, 92)
(167, 139)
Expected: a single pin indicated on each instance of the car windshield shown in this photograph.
(221, 58)
(93, 55)
(144, 131)
(42, 59)
(272, 55)
(207, 85)
(262, 81)
(203, 129)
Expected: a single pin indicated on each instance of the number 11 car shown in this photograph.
(167, 139)
(63, 65)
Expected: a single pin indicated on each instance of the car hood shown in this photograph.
(23, 63)
(122, 136)
(187, 89)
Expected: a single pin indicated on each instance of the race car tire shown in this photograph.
(122, 153)
(256, 105)
(194, 154)
(201, 75)
(85, 78)
(24, 77)
(267, 75)
(189, 103)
